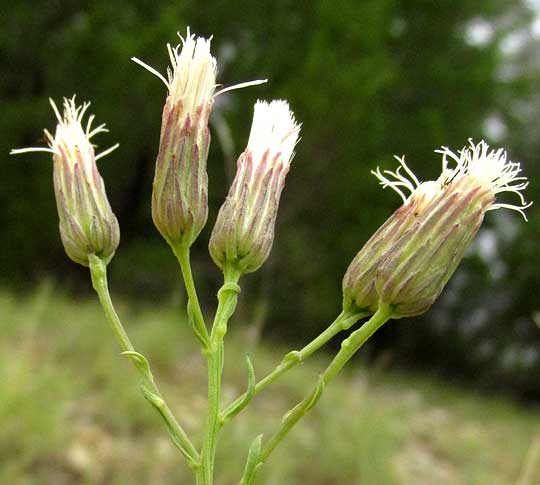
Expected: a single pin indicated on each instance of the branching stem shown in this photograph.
(344, 321)
(348, 348)
(98, 272)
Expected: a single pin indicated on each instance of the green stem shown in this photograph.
(227, 299)
(98, 272)
(348, 348)
(344, 321)
(194, 309)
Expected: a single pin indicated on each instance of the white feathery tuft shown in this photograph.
(191, 77)
(274, 130)
(490, 168)
(70, 137)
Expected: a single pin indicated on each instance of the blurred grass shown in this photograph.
(70, 412)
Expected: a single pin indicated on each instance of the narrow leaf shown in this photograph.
(140, 361)
(253, 461)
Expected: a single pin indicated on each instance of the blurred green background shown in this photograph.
(368, 79)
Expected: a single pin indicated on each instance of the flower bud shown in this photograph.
(244, 230)
(409, 260)
(180, 188)
(87, 223)
(359, 290)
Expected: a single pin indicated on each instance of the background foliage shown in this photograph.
(80, 420)
(368, 79)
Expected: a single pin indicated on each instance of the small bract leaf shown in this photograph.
(140, 361)
(251, 378)
(253, 461)
(316, 394)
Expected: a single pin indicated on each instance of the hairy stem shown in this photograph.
(98, 272)
(227, 298)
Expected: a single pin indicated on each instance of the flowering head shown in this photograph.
(408, 261)
(180, 189)
(244, 230)
(87, 223)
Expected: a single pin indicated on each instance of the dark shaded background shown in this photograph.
(368, 79)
